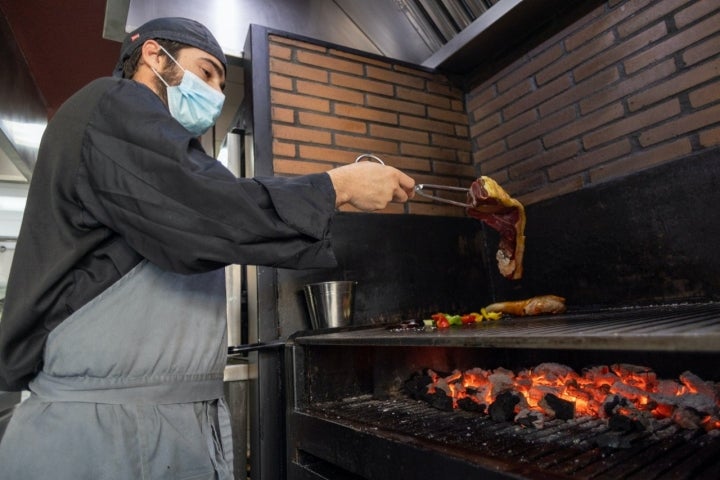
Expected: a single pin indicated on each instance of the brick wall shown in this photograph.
(632, 85)
(329, 105)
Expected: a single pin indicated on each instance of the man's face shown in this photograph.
(202, 64)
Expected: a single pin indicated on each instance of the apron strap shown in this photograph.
(197, 388)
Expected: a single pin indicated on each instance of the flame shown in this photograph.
(599, 391)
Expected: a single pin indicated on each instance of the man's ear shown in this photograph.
(150, 54)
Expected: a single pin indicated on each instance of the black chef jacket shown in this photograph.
(117, 180)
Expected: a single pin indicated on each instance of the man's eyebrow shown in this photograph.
(218, 68)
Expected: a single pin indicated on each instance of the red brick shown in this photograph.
(542, 160)
(286, 115)
(549, 90)
(296, 167)
(684, 124)
(364, 113)
(582, 90)
(366, 144)
(702, 51)
(284, 149)
(359, 58)
(299, 71)
(552, 190)
(429, 151)
(632, 123)
(707, 94)
(672, 44)
(696, 11)
(394, 105)
(281, 82)
(611, 55)
(331, 122)
(299, 101)
(326, 154)
(422, 97)
(327, 91)
(569, 61)
(583, 162)
(280, 51)
(530, 67)
(421, 123)
(360, 83)
(644, 18)
(557, 122)
(487, 124)
(603, 23)
(512, 157)
(403, 134)
(492, 151)
(506, 129)
(710, 137)
(390, 76)
(462, 144)
(297, 43)
(479, 97)
(448, 115)
(507, 98)
(286, 132)
(328, 62)
(632, 84)
(642, 160)
(675, 85)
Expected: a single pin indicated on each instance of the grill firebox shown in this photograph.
(348, 417)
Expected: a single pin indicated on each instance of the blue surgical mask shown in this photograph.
(193, 103)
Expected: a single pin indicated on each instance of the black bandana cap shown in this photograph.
(177, 29)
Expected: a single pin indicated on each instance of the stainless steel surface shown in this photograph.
(671, 328)
(330, 304)
(420, 190)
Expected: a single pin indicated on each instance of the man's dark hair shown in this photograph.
(131, 64)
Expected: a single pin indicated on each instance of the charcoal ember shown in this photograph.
(503, 408)
(440, 401)
(625, 424)
(470, 405)
(557, 407)
(416, 386)
(554, 372)
(698, 385)
(530, 418)
(611, 403)
(687, 417)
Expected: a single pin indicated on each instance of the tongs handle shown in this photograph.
(419, 189)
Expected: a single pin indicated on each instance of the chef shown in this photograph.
(114, 318)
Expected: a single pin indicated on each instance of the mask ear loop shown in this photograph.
(171, 58)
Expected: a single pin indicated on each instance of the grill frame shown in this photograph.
(327, 370)
(679, 327)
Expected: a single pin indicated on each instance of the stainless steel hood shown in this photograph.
(407, 30)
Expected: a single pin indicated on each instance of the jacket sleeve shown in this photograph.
(146, 178)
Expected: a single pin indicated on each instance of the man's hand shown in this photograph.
(370, 186)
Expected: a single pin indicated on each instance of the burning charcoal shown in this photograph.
(622, 423)
(687, 417)
(554, 372)
(697, 384)
(530, 418)
(611, 403)
(501, 380)
(503, 408)
(440, 401)
(416, 386)
(557, 407)
(470, 405)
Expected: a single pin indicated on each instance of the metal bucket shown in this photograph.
(330, 304)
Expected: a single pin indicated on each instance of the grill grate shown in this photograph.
(681, 328)
(561, 449)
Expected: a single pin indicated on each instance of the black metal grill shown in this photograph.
(686, 328)
(562, 449)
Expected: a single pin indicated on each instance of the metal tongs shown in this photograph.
(419, 189)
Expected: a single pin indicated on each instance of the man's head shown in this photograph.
(173, 33)
(180, 60)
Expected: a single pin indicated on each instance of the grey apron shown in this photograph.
(131, 387)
